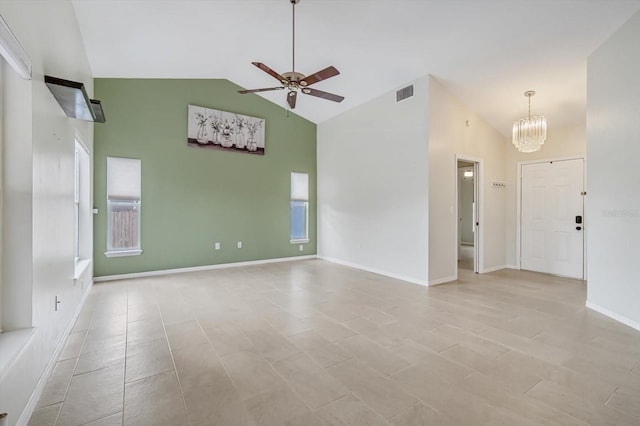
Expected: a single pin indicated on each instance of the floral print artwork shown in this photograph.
(228, 131)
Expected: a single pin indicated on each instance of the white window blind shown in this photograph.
(123, 178)
(299, 186)
(123, 205)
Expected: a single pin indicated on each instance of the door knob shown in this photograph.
(579, 228)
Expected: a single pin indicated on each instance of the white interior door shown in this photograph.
(552, 225)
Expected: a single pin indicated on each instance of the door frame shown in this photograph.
(519, 207)
(478, 236)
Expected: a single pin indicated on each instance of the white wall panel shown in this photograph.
(372, 186)
(613, 176)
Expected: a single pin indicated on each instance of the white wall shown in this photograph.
(449, 136)
(372, 186)
(374, 169)
(561, 143)
(2, 90)
(17, 201)
(613, 176)
(38, 215)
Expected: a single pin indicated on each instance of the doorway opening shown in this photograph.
(467, 243)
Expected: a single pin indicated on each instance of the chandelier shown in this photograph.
(529, 133)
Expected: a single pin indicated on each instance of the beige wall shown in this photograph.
(449, 136)
(560, 143)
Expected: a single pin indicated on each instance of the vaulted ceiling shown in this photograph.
(487, 52)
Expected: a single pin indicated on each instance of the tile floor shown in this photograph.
(314, 343)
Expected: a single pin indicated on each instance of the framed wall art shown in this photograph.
(213, 129)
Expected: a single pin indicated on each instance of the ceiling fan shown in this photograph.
(294, 81)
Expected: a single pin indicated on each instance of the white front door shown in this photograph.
(552, 225)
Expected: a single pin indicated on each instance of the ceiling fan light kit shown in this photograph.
(294, 81)
(530, 133)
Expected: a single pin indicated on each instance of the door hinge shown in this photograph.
(583, 193)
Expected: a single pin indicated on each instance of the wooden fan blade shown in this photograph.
(319, 76)
(271, 72)
(244, 92)
(323, 95)
(291, 99)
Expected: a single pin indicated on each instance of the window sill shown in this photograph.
(81, 266)
(13, 343)
(299, 241)
(123, 253)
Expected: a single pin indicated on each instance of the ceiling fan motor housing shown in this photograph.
(293, 80)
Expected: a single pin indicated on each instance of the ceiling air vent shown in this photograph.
(404, 93)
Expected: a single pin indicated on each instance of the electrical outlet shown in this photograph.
(239, 244)
(300, 247)
(216, 246)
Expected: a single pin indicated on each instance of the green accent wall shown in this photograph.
(195, 197)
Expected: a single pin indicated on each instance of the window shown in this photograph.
(123, 207)
(76, 202)
(83, 226)
(299, 232)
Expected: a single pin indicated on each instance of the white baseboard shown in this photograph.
(374, 270)
(442, 280)
(516, 267)
(494, 268)
(198, 268)
(23, 420)
(606, 312)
